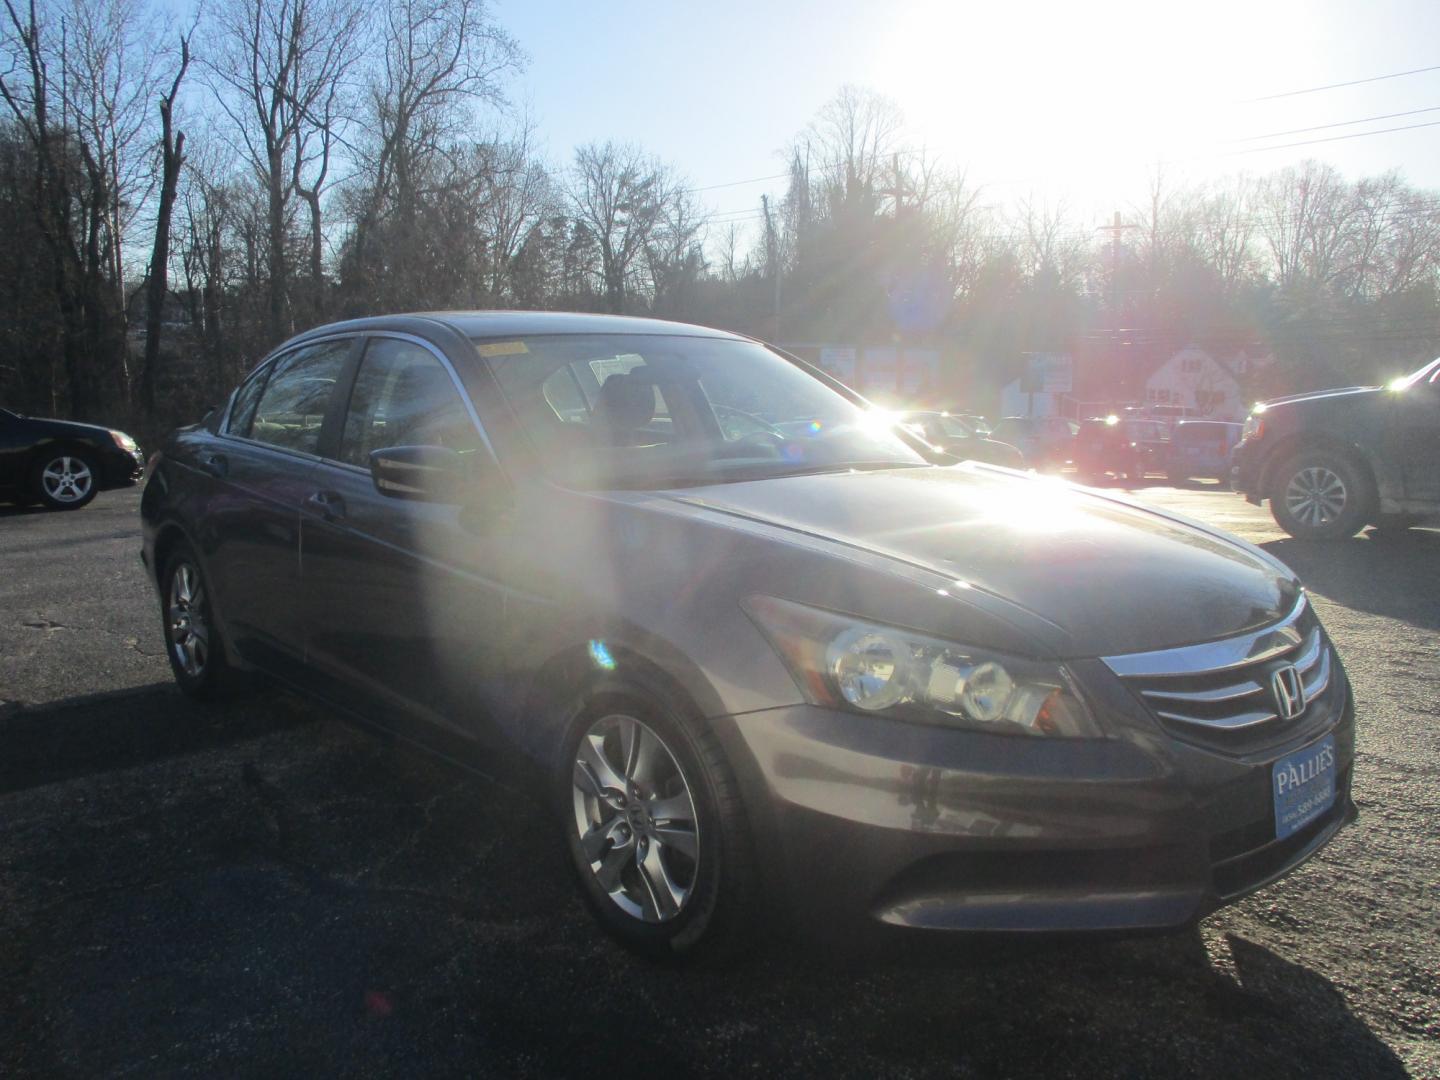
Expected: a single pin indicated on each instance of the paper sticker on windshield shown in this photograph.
(501, 348)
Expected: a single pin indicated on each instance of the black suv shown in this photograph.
(1333, 462)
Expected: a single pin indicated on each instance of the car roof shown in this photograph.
(484, 324)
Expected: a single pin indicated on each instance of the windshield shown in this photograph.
(610, 410)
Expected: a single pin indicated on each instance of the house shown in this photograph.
(1150, 373)
(1194, 380)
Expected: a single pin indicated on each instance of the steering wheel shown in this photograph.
(764, 426)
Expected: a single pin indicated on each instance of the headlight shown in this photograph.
(124, 442)
(843, 662)
(1254, 428)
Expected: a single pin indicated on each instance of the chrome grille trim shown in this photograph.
(1322, 678)
(1226, 723)
(1223, 687)
(1208, 697)
(1214, 656)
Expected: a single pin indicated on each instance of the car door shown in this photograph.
(261, 466)
(14, 444)
(1419, 408)
(402, 606)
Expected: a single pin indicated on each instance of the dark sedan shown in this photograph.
(63, 464)
(959, 439)
(761, 653)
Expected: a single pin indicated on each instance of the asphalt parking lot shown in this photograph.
(258, 888)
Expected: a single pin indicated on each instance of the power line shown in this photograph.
(1338, 85)
(1341, 123)
(739, 183)
(1332, 138)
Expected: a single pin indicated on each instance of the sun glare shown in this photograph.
(1066, 97)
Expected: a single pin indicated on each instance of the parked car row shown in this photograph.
(1135, 449)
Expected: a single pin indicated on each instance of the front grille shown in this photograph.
(1222, 693)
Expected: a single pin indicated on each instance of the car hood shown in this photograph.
(1110, 576)
(48, 426)
(1354, 392)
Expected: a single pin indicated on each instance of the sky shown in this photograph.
(1056, 102)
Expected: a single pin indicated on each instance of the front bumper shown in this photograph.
(122, 469)
(871, 824)
(1245, 472)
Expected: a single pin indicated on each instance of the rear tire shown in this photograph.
(1319, 494)
(654, 825)
(192, 639)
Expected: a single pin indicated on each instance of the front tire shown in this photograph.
(654, 826)
(1321, 495)
(65, 479)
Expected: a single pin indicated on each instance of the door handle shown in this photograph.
(328, 504)
(215, 464)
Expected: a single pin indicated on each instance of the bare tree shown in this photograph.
(172, 156)
(620, 195)
(853, 142)
(1225, 233)
(281, 67)
(70, 202)
(439, 61)
(1305, 216)
(111, 74)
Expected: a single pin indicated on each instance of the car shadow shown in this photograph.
(339, 902)
(8, 509)
(95, 733)
(1383, 572)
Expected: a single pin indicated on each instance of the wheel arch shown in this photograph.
(1311, 440)
(167, 537)
(588, 661)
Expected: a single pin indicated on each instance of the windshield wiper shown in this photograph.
(831, 467)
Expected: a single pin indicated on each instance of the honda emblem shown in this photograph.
(1288, 691)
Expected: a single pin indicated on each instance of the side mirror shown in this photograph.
(428, 474)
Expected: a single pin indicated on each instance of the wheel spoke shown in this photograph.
(592, 755)
(674, 808)
(594, 842)
(630, 736)
(648, 754)
(680, 839)
(608, 875)
(660, 894)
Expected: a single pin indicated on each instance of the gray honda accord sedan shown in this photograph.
(770, 652)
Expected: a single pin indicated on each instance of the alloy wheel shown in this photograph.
(185, 620)
(1316, 496)
(67, 479)
(635, 818)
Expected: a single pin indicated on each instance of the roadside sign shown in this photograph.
(1050, 373)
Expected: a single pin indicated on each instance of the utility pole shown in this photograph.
(1116, 229)
(772, 258)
